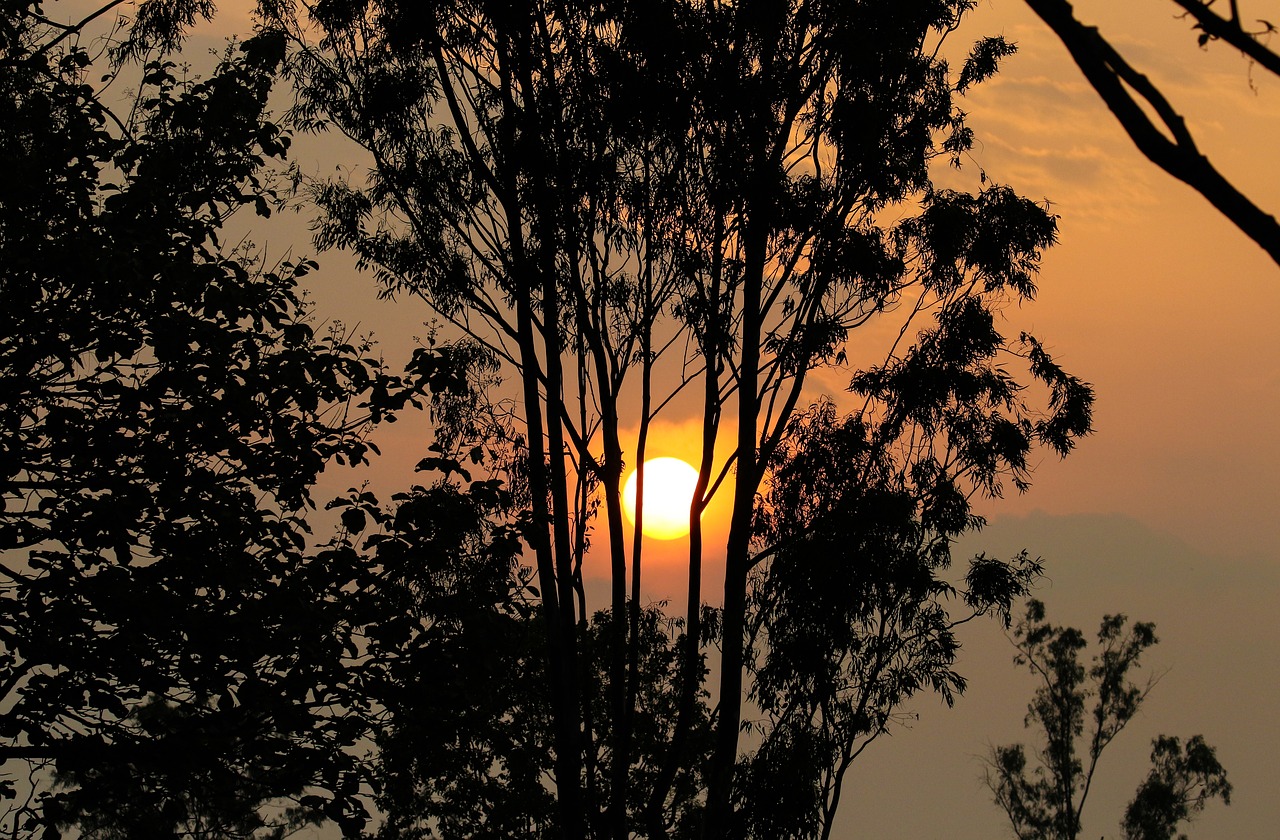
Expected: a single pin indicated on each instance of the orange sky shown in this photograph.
(1152, 296)
(1168, 511)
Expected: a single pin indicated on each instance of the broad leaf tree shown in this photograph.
(169, 649)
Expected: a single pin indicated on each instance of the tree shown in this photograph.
(1181, 782)
(453, 672)
(447, 672)
(850, 618)
(1165, 140)
(619, 204)
(1047, 803)
(169, 651)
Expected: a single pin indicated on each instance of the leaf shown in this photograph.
(354, 520)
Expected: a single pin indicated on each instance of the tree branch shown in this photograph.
(1231, 31)
(1113, 79)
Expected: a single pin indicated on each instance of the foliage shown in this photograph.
(850, 618)
(624, 203)
(615, 203)
(449, 670)
(1179, 785)
(1047, 802)
(167, 645)
(451, 664)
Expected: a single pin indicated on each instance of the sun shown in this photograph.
(669, 484)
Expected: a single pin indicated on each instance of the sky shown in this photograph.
(1167, 512)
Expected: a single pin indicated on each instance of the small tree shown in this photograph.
(1047, 802)
(1181, 782)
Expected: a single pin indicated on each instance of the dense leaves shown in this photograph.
(625, 203)
(166, 643)
(1180, 784)
(850, 615)
(618, 204)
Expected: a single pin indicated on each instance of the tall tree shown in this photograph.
(168, 648)
(619, 203)
(1166, 140)
(849, 619)
(1048, 802)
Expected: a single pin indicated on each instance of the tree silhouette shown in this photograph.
(1181, 782)
(1165, 140)
(620, 204)
(1047, 802)
(168, 648)
(849, 619)
(615, 204)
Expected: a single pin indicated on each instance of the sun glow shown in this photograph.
(669, 484)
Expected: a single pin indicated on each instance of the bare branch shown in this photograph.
(1217, 27)
(1114, 80)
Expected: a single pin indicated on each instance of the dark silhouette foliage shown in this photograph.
(168, 646)
(1045, 801)
(614, 204)
(625, 203)
(1181, 782)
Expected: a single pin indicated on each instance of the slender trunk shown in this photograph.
(547, 477)
(620, 736)
(691, 654)
(637, 544)
(592, 323)
(561, 537)
(566, 573)
(719, 812)
(560, 668)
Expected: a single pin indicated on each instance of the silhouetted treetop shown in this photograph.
(1080, 711)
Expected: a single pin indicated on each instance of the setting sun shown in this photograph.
(668, 491)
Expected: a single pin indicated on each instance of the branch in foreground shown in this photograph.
(1116, 82)
(1214, 26)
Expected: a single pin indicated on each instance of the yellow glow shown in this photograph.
(669, 484)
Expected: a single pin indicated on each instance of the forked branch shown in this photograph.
(1168, 144)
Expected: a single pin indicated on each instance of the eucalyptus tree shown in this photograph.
(620, 203)
(503, 195)
(818, 118)
(849, 616)
(1046, 800)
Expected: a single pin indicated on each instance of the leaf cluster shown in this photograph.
(167, 642)
(1080, 711)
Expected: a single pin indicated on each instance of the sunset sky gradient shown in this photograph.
(1167, 513)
